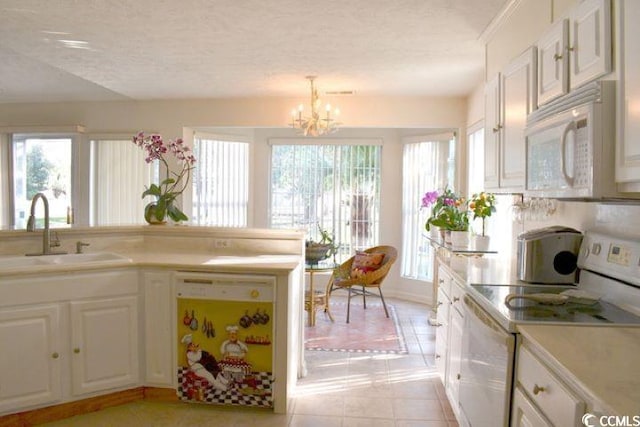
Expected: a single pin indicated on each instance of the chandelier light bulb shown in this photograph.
(314, 125)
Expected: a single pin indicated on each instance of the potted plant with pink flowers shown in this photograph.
(166, 192)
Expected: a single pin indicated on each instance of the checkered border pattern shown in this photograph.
(401, 341)
(230, 397)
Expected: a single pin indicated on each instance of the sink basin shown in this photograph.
(21, 261)
(83, 258)
(66, 259)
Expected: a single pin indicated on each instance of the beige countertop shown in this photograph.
(602, 361)
(176, 261)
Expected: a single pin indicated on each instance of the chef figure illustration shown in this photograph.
(203, 364)
(232, 348)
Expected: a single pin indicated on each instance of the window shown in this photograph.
(220, 182)
(119, 175)
(41, 164)
(428, 164)
(336, 187)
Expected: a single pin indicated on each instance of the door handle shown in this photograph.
(563, 155)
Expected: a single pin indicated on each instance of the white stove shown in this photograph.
(609, 270)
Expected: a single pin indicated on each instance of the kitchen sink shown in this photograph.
(60, 259)
(83, 258)
(23, 261)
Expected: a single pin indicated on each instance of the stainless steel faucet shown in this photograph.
(46, 233)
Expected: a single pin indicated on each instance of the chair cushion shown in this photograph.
(364, 263)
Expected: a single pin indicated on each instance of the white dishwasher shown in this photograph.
(225, 330)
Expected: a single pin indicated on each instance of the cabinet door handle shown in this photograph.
(557, 57)
(55, 355)
(497, 128)
(437, 356)
(76, 350)
(458, 376)
(537, 389)
(571, 48)
(456, 299)
(439, 303)
(441, 281)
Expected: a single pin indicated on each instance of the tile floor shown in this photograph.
(341, 390)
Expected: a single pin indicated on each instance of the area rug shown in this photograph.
(368, 331)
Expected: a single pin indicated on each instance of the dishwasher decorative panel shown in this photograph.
(224, 338)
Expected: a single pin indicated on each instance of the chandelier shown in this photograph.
(314, 125)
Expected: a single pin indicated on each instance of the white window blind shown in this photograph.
(427, 166)
(220, 182)
(336, 187)
(119, 176)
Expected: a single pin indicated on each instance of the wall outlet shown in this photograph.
(221, 243)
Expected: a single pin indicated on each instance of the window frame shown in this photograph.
(74, 133)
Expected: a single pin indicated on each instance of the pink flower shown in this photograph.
(429, 198)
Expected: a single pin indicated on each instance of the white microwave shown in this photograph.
(570, 145)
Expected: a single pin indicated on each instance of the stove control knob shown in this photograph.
(596, 248)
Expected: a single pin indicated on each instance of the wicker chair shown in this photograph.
(341, 277)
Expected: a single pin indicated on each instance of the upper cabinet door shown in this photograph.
(628, 126)
(553, 62)
(492, 131)
(590, 41)
(518, 93)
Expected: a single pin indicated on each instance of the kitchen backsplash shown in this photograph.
(620, 219)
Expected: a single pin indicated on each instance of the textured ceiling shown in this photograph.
(81, 50)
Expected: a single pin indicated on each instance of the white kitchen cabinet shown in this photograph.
(543, 390)
(104, 339)
(158, 300)
(442, 331)
(30, 359)
(574, 50)
(449, 334)
(628, 124)
(67, 336)
(492, 133)
(524, 413)
(507, 106)
(553, 62)
(589, 41)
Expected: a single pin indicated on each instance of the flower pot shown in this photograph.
(481, 243)
(151, 214)
(316, 252)
(459, 239)
(434, 233)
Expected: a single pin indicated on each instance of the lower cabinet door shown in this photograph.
(524, 414)
(104, 337)
(29, 357)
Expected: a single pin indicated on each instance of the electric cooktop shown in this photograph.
(520, 310)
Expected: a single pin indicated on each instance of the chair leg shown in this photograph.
(383, 303)
(348, 303)
(364, 298)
